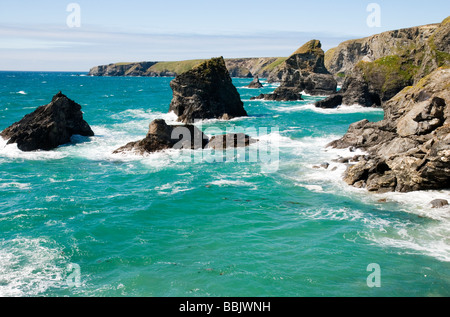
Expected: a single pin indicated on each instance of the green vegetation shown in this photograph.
(274, 64)
(389, 73)
(313, 46)
(175, 67)
(123, 64)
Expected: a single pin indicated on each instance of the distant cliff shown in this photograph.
(237, 67)
(423, 48)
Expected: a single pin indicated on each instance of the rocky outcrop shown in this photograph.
(162, 136)
(303, 71)
(280, 94)
(232, 140)
(48, 126)
(410, 149)
(206, 92)
(255, 83)
(375, 69)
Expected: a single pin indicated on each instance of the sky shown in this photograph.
(75, 35)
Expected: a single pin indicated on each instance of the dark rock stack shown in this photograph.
(255, 83)
(410, 149)
(303, 71)
(48, 126)
(206, 92)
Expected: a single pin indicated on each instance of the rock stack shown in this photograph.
(206, 92)
(48, 126)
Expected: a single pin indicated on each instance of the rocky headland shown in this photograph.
(206, 92)
(49, 126)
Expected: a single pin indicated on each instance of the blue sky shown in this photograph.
(34, 35)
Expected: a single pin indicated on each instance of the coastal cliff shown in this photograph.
(375, 69)
(237, 67)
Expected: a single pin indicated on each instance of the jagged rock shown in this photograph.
(304, 71)
(255, 83)
(48, 126)
(221, 142)
(410, 149)
(206, 92)
(161, 136)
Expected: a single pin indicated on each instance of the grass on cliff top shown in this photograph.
(175, 67)
(313, 46)
(274, 64)
(388, 71)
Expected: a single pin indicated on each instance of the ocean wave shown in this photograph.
(29, 267)
(339, 110)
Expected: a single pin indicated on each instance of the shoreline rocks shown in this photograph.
(410, 149)
(49, 126)
(206, 92)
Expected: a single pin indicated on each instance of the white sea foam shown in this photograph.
(427, 234)
(21, 186)
(20, 93)
(11, 151)
(310, 107)
(29, 267)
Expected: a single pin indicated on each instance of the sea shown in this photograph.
(271, 220)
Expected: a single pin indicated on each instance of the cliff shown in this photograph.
(424, 48)
(376, 68)
(237, 67)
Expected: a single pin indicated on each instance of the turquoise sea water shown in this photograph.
(180, 224)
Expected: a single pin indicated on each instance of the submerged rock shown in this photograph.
(49, 126)
(439, 203)
(206, 92)
(162, 136)
(410, 149)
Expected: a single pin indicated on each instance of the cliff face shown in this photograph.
(411, 43)
(376, 68)
(237, 67)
